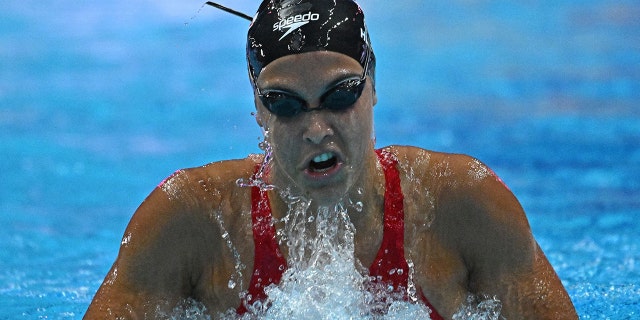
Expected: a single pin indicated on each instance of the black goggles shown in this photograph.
(340, 97)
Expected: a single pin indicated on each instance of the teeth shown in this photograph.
(323, 157)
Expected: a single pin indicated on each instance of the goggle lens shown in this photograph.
(340, 97)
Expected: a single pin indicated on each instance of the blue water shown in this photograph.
(100, 100)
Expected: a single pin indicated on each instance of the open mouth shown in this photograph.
(323, 163)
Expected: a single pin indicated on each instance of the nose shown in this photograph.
(317, 127)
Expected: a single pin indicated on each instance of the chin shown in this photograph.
(328, 198)
(328, 195)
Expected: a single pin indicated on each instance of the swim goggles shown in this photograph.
(340, 97)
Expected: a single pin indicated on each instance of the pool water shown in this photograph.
(101, 100)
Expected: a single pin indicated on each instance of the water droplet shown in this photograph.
(231, 284)
(126, 239)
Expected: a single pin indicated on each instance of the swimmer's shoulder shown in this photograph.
(438, 176)
(462, 184)
(226, 170)
(214, 181)
(200, 198)
(467, 190)
(439, 167)
(456, 175)
(192, 196)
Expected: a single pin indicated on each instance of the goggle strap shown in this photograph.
(229, 10)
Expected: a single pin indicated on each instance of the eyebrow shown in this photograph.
(332, 85)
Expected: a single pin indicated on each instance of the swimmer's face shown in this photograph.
(321, 152)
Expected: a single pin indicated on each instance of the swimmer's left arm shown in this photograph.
(505, 260)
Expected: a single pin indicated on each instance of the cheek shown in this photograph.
(282, 140)
(360, 123)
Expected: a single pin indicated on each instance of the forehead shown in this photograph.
(313, 66)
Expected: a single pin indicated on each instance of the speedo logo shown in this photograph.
(294, 22)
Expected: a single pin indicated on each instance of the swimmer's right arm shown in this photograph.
(157, 265)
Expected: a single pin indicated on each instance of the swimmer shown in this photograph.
(445, 219)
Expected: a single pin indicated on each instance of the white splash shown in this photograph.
(324, 279)
(479, 308)
(187, 309)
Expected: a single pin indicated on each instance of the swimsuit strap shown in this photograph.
(390, 265)
(268, 262)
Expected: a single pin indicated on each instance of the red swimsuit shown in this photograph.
(269, 263)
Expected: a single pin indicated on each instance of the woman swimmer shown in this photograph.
(460, 228)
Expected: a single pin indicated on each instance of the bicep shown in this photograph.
(529, 291)
(507, 261)
(153, 267)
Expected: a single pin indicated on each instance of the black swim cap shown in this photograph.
(284, 27)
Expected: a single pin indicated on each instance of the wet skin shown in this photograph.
(464, 230)
(345, 135)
